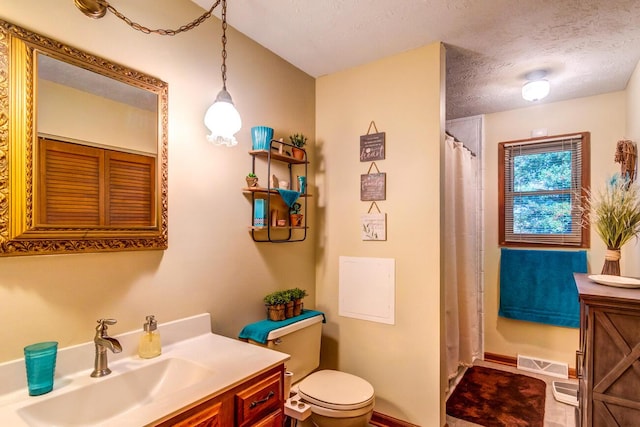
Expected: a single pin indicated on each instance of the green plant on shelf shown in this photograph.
(295, 208)
(252, 179)
(298, 140)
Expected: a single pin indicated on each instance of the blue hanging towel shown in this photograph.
(289, 196)
(538, 285)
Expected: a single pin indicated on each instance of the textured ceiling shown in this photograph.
(587, 47)
(82, 79)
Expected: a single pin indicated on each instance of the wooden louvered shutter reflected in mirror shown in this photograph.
(94, 187)
(70, 185)
(130, 189)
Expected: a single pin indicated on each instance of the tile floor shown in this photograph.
(556, 414)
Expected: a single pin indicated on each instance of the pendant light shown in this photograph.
(222, 118)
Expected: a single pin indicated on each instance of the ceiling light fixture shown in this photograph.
(221, 118)
(537, 87)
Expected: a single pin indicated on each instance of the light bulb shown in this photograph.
(536, 90)
(223, 120)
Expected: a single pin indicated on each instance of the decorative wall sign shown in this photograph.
(373, 186)
(372, 145)
(373, 225)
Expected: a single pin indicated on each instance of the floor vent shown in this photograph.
(541, 366)
(566, 392)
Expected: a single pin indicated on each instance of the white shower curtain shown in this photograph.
(461, 266)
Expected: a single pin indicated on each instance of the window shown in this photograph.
(542, 182)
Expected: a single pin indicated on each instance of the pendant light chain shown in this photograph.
(222, 118)
(191, 25)
(223, 67)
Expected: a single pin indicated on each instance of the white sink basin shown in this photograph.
(114, 395)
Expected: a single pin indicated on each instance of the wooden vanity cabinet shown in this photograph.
(258, 401)
(209, 416)
(608, 360)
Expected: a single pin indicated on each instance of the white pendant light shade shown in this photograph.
(536, 90)
(222, 120)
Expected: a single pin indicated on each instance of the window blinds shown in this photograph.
(542, 205)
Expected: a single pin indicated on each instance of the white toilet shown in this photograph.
(337, 399)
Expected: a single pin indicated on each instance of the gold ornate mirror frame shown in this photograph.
(19, 233)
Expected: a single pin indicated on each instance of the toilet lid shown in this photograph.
(336, 390)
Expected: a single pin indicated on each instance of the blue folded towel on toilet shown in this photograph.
(289, 196)
(538, 285)
(259, 331)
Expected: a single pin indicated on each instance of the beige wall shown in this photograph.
(212, 264)
(604, 117)
(94, 119)
(402, 95)
(631, 251)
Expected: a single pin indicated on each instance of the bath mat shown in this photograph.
(495, 398)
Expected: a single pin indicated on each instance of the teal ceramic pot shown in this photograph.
(261, 137)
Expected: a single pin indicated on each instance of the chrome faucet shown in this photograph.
(104, 342)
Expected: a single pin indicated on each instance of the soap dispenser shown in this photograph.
(150, 339)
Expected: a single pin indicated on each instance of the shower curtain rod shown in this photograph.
(463, 145)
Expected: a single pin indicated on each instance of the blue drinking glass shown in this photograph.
(40, 360)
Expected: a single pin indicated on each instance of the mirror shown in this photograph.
(83, 150)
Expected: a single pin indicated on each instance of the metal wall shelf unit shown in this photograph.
(270, 232)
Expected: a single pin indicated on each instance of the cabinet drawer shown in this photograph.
(273, 420)
(258, 400)
(207, 417)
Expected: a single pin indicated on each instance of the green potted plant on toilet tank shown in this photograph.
(284, 304)
(276, 304)
(297, 295)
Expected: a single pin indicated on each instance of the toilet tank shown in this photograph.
(301, 341)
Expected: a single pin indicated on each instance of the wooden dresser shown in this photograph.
(608, 361)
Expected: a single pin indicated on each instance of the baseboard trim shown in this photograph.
(513, 362)
(501, 359)
(382, 420)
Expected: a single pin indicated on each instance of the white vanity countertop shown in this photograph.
(232, 361)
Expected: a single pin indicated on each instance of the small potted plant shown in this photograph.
(295, 217)
(289, 304)
(298, 141)
(297, 295)
(275, 303)
(252, 180)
